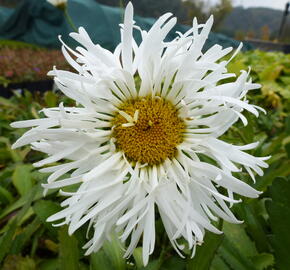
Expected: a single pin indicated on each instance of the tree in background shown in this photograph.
(183, 10)
(203, 9)
(239, 35)
(251, 34)
(265, 32)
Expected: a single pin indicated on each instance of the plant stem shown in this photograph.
(69, 20)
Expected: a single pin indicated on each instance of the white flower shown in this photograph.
(146, 115)
(57, 3)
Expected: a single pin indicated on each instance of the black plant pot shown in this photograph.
(40, 86)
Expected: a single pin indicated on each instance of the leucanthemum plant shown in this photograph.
(146, 116)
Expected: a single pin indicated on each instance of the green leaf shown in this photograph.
(16, 262)
(14, 154)
(68, 250)
(174, 263)
(51, 264)
(279, 217)
(232, 257)
(287, 147)
(22, 201)
(5, 196)
(22, 179)
(153, 265)
(114, 251)
(100, 261)
(205, 253)
(7, 103)
(271, 72)
(50, 99)
(263, 261)
(137, 254)
(252, 219)
(238, 237)
(44, 208)
(24, 237)
(7, 238)
(219, 264)
(276, 169)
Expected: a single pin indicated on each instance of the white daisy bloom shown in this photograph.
(146, 114)
(57, 3)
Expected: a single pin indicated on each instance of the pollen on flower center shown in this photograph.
(148, 130)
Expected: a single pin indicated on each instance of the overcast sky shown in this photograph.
(278, 4)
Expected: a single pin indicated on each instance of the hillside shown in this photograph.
(252, 19)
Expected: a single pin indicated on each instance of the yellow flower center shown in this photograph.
(148, 130)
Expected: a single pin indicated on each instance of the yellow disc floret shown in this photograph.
(148, 130)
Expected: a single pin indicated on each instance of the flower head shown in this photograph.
(61, 4)
(146, 116)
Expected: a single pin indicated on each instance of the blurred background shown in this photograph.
(236, 18)
(29, 25)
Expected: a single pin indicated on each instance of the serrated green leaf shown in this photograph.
(279, 217)
(68, 250)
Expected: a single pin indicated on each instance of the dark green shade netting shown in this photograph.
(39, 22)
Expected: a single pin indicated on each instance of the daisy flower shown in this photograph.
(58, 3)
(146, 114)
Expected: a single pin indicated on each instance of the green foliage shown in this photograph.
(27, 241)
(279, 217)
(68, 250)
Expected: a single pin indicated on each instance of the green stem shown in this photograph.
(220, 224)
(69, 20)
(161, 257)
